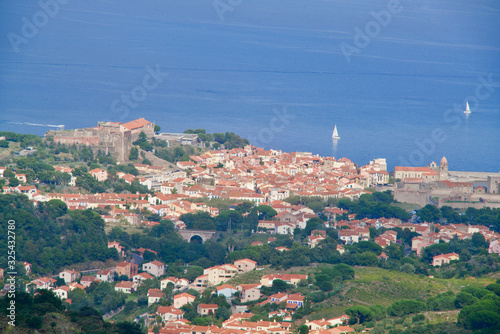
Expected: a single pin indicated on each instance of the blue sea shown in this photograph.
(394, 76)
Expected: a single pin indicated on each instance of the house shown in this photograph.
(494, 247)
(226, 290)
(154, 296)
(249, 292)
(219, 274)
(319, 324)
(383, 256)
(179, 283)
(295, 299)
(343, 319)
(27, 267)
(87, 280)
(183, 299)
(277, 298)
(69, 276)
(240, 316)
(200, 283)
(76, 285)
(439, 260)
(205, 309)
(419, 243)
(245, 265)
(141, 277)
(62, 292)
(43, 283)
(349, 236)
(100, 175)
(126, 286)
(341, 330)
(105, 275)
(155, 268)
(314, 240)
(283, 228)
(126, 269)
(116, 245)
(265, 225)
(340, 249)
(169, 313)
(294, 279)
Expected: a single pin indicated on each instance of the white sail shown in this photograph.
(335, 134)
(467, 109)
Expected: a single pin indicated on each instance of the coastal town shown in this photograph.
(260, 179)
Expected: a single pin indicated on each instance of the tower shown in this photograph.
(443, 169)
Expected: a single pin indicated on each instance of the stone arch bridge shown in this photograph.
(203, 234)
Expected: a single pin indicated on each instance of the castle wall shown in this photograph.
(109, 138)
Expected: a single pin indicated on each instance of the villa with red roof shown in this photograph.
(439, 260)
(183, 299)
(245, 265)
(169, 313)
(205, 309)
(155, 268)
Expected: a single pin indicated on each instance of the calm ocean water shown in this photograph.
(235, 65)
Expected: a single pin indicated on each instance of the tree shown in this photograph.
(280, 285)
(266, 211)
(478, 240)
(134, 153)
(56, 208)
(405, 306)
(303, 329)
(359, 314)
(429, 213)
(14, 182)
(157, 128)
(408, 268)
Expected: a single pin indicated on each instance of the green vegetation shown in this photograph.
(101, 296)
(228, 139)
(86, 181)
(23, 139)
(487, 216)
(221, 314)
(376, 205)
(134, 153)
(50, 236)
(143, 143)
(178, 153)
(45, 313)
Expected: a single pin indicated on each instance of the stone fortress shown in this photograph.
(436, 185)
(113, 138)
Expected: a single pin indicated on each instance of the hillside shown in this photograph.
(381, 288)
(45, 313)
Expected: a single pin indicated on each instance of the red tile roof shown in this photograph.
(138, 123)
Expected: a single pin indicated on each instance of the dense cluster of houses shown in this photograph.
(173, 316)
(248, 174)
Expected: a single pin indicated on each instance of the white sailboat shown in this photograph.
(335, 134)
(467, 109)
